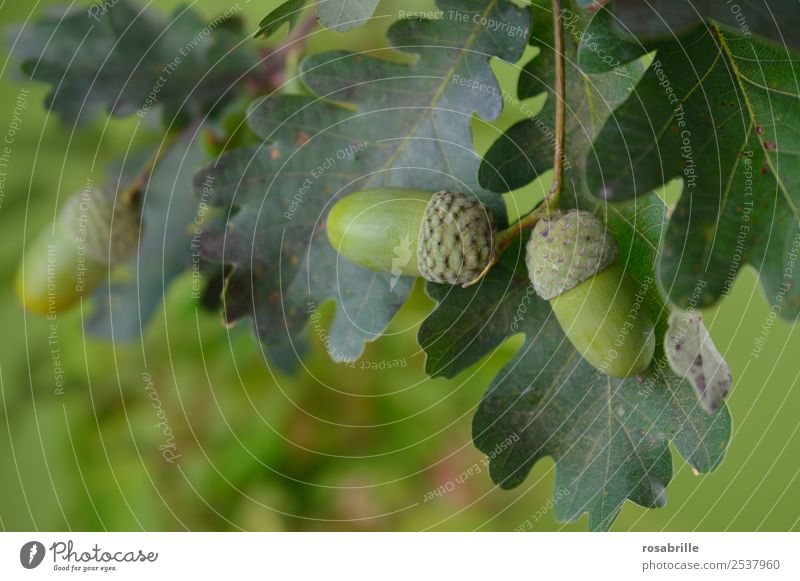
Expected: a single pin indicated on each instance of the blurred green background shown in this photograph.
(330, 447)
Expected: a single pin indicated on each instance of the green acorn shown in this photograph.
(573, 263)
(71, 259)
(446, 237)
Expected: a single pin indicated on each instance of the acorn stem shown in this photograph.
(552, 201)
(561, 103)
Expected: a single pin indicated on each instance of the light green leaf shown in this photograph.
(343, 15)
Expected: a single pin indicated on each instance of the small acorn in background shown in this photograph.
(72, 258)
(573, 263)
(445, 237)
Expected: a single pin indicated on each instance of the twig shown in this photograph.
(133, 193)
(506, 237)
(271, 75)
(561, 107)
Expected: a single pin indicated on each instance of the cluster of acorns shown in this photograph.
(448, 238)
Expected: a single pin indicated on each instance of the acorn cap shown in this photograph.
(456, 239)
(567, 248)
(108, 229)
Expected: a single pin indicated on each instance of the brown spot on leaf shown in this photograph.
(301, 138)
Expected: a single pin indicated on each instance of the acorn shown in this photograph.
(445, 237)
(573, 263)
(70, 260)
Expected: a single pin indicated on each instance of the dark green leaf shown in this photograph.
(406, 126)
(608, 437)
(720, 111)
(126, 59)
(289, 12)
(777, 20)
(601, 49)
(469, 323)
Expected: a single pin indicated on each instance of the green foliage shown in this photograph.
(128, 60)
(469, 323)
(525, 151)
(256, 212)
(405, 124)
(288, 12)
(735, 150)
(607, 436)
(777, 20)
